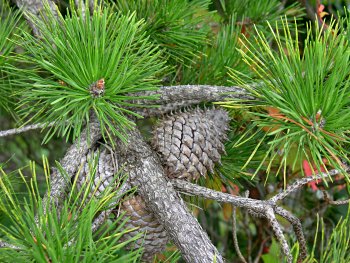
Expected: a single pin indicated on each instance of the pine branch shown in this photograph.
(25, 129)
(262, 208)
(301, 182)
(332, 202)
(172, 98)
(146, 172)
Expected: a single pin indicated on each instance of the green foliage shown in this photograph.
(59, 235)
(334, 248)
(237, 18)
(303, 98)
(9, 21)
(212, 66)
(257, 12)
(69, 59)
(173, 25)
(241, 143)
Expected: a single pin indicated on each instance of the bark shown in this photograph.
(146, 172)
(172, 98)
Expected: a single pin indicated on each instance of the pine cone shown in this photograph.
(106, 168)
(155, 238)
(190, 143)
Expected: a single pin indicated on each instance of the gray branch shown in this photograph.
(298, 230)
(172, 98)
(301, 182)
(26, 128)
(270, 215)
(146, 172)
(259, 208)
(332, 202)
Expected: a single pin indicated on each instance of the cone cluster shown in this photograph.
(190, 143)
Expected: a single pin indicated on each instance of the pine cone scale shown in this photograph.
(190, 143)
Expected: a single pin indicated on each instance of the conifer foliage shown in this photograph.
(86, 76)
(82, 64)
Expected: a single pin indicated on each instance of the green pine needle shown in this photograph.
(59, 235)
(303, 96)
(256, 12)
(333, 247)
(9, 24)
(241, 143)
(70, 61)
(173, 25)
(212, 66)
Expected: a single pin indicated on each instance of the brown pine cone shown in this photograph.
(155, 238)
(190, 143)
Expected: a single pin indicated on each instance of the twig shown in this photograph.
(278, 233)
(234, 235)
(260, 208)
(301, 182)
(26, 128)
(298, 230)
(332, 202)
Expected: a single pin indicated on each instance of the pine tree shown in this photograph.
(168, 105)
